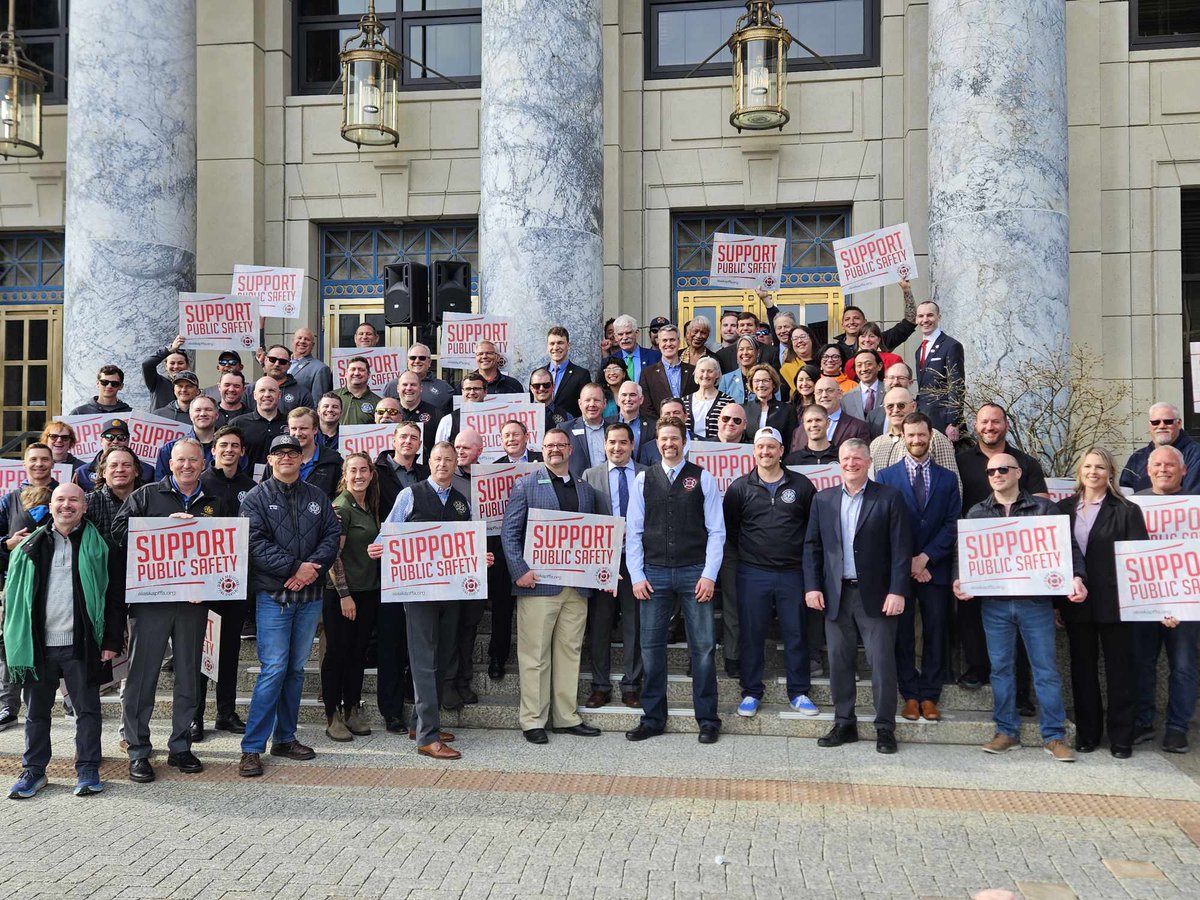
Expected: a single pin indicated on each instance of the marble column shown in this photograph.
(542, 174)
(998, 177)
(131, 187)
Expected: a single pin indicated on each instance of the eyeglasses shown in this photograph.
(119, 438)
(288, 452)
(831, 356)
(1157, 422)
(895, 406)
(387, 412)
(736, 420)
(229, 362)
(279, 361)
(555, 446)
(541, 385)
(104, 382)
(999, 470)
(58, 438)
(418, 358)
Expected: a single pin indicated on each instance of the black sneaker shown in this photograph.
(7, 720)
(1175, 741)
(1143, 733)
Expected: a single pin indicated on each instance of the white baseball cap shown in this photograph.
(768, 432)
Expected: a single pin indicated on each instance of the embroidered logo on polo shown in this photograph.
(290, 398)
(314, 507)
(241, 496)
(367, 407)
(787, 496)
(460, 507)
(208, 510)
(424, 417)
(689, 483)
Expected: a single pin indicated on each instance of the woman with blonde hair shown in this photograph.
(705, 405)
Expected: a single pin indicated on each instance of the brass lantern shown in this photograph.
(21, 86)
(759, 44)
(370, 80)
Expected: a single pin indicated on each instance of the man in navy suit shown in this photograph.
(587, 431)
(569, 378)
(931, 494)
(857, 561)
(628, 353)
(629, 412)
(940, 372)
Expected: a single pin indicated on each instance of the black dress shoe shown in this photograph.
(196, 731)
(469, 697)
(185, 762)
(537, 736)
(583, 729)
(641, 733)
(1175, 741)
(395, 726)
(885, 742)
(233, 724)
(709, 734)
(838, 735)
(1119, 752)
(1084, 747)
(141, 771)
(969, 683)
(496, 670)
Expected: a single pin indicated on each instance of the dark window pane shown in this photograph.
(35, 420)
(36, 391)
(686, 36)
(12, 424)
(347, 323)
(38, 14)
(322, 47)
(344, 7)
(39, 336)
(14, 388)
(452, 49)
(439, 5)
(1165, 18)
(14, 339)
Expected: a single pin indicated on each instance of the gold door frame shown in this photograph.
(788, 299)
(18, 409)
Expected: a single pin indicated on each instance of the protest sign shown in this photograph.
(460, 332)
(1060, 488)
(1156, 579)
(186, 559)
(1015, 557)
(374, 439)
(876, 258)
(148, 433)
(278, 290)
(87, 432)
(489, 415)
(1194, 352)
(826, 476)
(387, 364)
(573, 549)
(491, 486)
(12, 474)
(1174, 517)
(210, 649)
(434, 561)
(218, 321)
(724, 462)
(746, 261)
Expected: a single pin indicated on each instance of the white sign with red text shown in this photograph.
(1173, 517)
(12, 474)
(218, 321)
(171, 560)
(574, 549)
(210, 649)
(1157, 579)
(460, 332)
(148, 433)
(489, 415)
(1026, 556)
(87, 431)
(387, 364)
(876, 258)
(374, 439)
(434, 561)
(491, 486)
(746, 261)
(1060, 488)
(822, 477)
(1194, 352)
(724, 462)
(278, 290)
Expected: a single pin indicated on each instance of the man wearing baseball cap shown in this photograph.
(115, 434)
(186, 386)
(656, 323)
(227, 361)
(766, 517)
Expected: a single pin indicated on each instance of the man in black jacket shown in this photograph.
(398, 468)
(109, 381)
(174, 360)
(294, 539)
(264, 424)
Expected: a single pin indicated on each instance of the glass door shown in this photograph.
(814, 307)
(32, 367)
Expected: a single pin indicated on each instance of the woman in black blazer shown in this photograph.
(1100, 515)
(764, 383)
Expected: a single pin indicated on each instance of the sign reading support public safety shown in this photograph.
(876, 258)
(1026, 556)
(433, 561)
(12, 474)
(173, 560)
(278, 290)
(87, 432)
(218, 321)
(746, 261)
(724, 462)
(1172, 517)
(1157, 579)
(574, 549)
(491, 486)
(460, 332)
(148, 433)
(387, 364)
(822, 476)
(489, 415)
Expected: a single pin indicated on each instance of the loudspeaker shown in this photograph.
(451, 287)
(406, 294)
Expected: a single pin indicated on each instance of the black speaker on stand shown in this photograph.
(451, 287)
(406, 294)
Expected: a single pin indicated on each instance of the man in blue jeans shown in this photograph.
(1004, 618)
(294, 539)
(674, 542)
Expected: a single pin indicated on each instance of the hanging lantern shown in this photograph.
(759, 44)
(370, 80)
(21, 86)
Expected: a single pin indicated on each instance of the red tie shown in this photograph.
(924, 344)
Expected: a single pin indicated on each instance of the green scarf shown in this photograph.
(92, 567)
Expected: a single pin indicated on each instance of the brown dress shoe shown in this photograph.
(929, 711)
(250, 765)
(444, 736)
(911, 711)
(438, 750)
(631, 699)
(597, 699)
(293, 750)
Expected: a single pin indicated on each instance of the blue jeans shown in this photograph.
(1180, 641)
(285, 637)
(761, 592)
(1033, 620)
(669, 583)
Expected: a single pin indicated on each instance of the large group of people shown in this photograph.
(833, 570)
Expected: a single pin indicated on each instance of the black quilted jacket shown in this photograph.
(289, 524)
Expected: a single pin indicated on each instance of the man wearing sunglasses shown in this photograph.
(276, 362)
(227, 361)
(116, 434)
(434, 391)
(1166, 430)
(541, 390)
(109, 381)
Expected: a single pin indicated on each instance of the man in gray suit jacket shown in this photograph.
(868, 392)
(611, 500)
(550, 619)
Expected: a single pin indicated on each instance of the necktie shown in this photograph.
(671, 476)
(623, 489)
(869, 400)
(924, 344)
(558, 374)
(918, 486)
(629, 366)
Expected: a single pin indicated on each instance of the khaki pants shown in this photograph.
(549, 640)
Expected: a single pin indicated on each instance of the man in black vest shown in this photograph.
(432, 624)
(674, 543)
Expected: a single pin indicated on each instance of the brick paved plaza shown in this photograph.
(604, 818)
